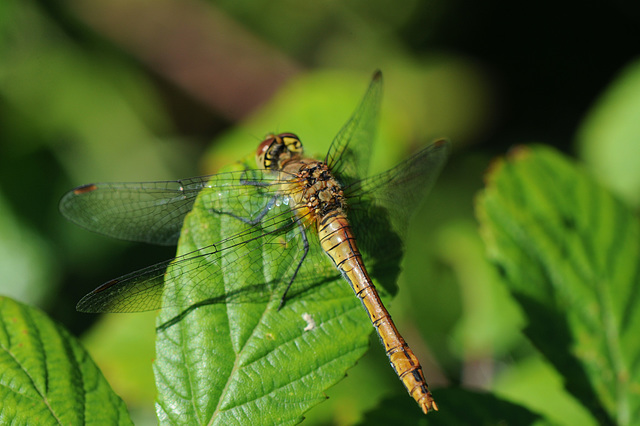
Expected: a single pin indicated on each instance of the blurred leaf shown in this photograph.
(26, 265)
(490, 321)
(123, 347)
(609, 138)
(317, 24)
(47, 377)
(535, 384)
(97, 113)
(457, 407)
(569, 253)
(251, 362)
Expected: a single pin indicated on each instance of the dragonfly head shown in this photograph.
(276, 149)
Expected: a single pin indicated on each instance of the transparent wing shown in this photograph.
(152, 212)
(349, 154)
(401, 189)
(380, 207)
(142, 290)
(279, 266)
(262, 254)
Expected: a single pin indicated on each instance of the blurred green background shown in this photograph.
(141, 90)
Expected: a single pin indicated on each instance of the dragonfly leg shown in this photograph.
(305, 251)
(254, 221)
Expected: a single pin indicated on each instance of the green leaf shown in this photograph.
(26, 262)
(569, 253)
(490, 321)
(533, 383)
(222, 362)
(457, 407)
(123, 346)
(47, 377)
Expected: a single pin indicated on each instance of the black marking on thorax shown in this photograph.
(321, 192)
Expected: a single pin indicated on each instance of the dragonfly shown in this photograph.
(291, 205)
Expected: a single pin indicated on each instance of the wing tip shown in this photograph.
(442, 144)
(85, 307)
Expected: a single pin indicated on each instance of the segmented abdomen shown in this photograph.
(338, 242)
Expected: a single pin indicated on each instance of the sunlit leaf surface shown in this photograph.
(569, 253)
(47, 377)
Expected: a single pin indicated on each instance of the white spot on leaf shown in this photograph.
(311, 324)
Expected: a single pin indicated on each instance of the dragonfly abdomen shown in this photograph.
(338, 242)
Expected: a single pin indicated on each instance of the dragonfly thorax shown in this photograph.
(314, 190)
(275, 150)
(316, 193)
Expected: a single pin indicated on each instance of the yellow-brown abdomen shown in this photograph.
(338, 242)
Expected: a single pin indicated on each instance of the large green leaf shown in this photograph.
(569, 253)
(47, 377)
(223, 362)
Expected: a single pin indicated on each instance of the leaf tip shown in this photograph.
(518, 152)
(493, 169)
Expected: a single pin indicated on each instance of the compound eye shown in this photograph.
(291, 141)
(262, 150)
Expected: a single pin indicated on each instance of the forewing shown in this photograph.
(150, 212)
(350, 152)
